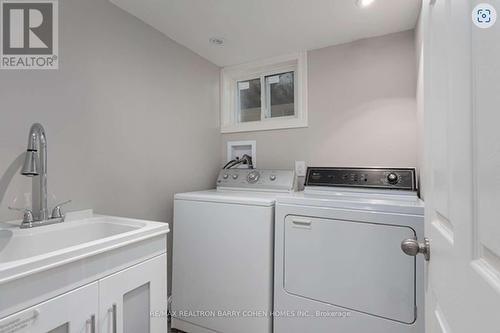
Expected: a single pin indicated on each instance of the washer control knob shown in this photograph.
(392, 178)
(272, 178)
(253, 177)
(235, 176)
(225, 176)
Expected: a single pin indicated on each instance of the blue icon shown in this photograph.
(484, 15)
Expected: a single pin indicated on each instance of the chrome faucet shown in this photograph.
(35, 164)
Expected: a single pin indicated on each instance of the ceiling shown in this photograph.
(257, 29)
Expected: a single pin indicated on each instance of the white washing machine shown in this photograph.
(339, 266)
(223, 253)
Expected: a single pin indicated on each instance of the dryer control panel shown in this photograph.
(256, 179)
(380, 178)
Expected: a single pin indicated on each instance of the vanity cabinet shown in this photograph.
(118, 303)
(127, 298)
(74, 311)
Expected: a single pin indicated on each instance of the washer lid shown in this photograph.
(267, 199)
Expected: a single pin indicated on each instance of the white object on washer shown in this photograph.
(223, 253)
(339, 265)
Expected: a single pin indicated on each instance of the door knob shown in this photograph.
(412, 247)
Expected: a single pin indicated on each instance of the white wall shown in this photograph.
(131, 117)
(419, 53)
(362, 109)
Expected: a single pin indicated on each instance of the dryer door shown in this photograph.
(354, 265)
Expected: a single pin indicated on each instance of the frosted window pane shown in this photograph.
(280, 94)
(249, 100)
(136, 310)
(61, 329)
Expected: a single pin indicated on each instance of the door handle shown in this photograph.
(112, 310)
(302, 223)
(413, 247)
(91, 323)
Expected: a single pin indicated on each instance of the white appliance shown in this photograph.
(223, 253)
(339, 266)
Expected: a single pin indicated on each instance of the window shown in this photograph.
(266, 95)
(249, 106)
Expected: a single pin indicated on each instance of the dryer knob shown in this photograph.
(392, 178)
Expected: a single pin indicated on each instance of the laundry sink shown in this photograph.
(21, 244)
(24, 251)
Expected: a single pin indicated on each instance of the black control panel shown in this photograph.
(381, 178)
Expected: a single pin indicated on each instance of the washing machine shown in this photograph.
(339, 266)
(223, 242)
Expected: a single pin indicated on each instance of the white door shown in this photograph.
(462, 168)
(73, 312)
(135, 300)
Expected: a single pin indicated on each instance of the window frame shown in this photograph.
(230, 76)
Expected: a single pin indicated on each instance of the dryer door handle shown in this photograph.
(412, 247)
(302, 223)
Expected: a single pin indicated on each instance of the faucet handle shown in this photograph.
(56, 212)
(28, 214)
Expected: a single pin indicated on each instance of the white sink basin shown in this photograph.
(25, 251)
(20, 244)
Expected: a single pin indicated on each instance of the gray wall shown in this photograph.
(362, 109)
(131, 117)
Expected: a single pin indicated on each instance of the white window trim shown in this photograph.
(231, 75)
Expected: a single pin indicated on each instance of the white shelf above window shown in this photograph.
(265, 95)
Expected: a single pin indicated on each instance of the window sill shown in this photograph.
(267, 125)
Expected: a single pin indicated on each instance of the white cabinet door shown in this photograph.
(127, 298)
(462, 192)
(73, 312)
